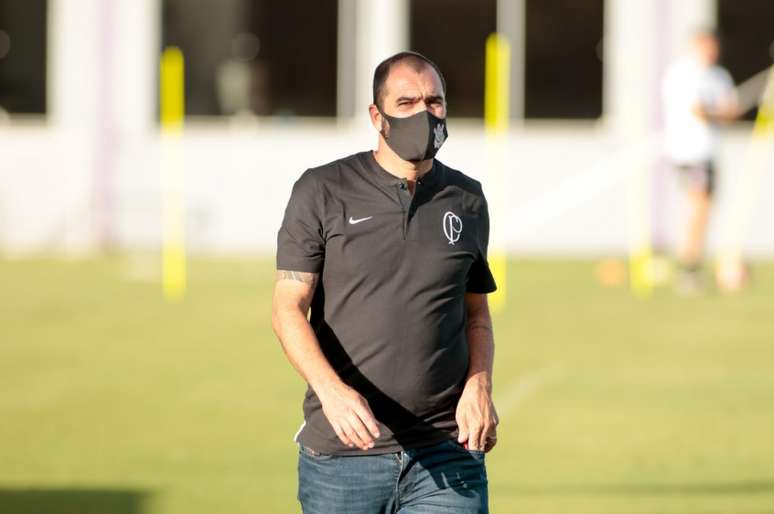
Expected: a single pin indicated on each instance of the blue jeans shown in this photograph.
(442, 478)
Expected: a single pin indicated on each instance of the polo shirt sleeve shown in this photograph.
(480, 279)
(300, 240)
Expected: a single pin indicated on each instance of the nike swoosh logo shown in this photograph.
(353, 221)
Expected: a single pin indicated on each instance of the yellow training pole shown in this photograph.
(172, 106)
(637, 127)
(640, 245)
(748, 183)
(496, 118)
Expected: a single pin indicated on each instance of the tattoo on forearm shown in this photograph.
(476, 325)
(298, 276)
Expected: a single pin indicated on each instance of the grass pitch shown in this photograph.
(114, 401)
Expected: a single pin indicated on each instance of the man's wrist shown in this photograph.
(480, 379)
(324, 386)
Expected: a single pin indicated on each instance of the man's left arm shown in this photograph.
(476, 416)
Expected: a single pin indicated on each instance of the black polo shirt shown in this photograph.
(389, 310)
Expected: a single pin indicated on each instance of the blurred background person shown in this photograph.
(698, 95)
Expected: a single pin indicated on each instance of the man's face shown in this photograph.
(707, 49)
(408, 92)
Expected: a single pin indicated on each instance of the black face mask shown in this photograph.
(417, 137)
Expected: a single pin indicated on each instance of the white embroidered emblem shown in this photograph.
(452, 227)
(439, 136)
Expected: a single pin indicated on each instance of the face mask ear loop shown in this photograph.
(384, 118)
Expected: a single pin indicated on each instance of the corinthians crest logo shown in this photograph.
(452, 227)
(439, 136)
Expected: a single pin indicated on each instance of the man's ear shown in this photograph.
(376, 117)
(377, 120)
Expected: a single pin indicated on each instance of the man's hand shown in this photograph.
(476, 416)
(347, 411)
(349, 415)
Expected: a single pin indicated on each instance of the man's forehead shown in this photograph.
(408, 80)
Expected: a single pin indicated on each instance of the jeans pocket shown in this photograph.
(313, 454)
(476, 454)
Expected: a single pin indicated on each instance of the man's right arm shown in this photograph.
(726, 108)
(346, 410)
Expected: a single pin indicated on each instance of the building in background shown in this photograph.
(276, 86)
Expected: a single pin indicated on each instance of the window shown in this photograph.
(265, 57)
(563, 59)
(746, 31)
(563, 66)
(23, 56)
(452, 33)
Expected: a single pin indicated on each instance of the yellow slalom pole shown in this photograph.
(640, 245)
(172, 107)
(637, 128)
(497, 82)
(496, 119)
(729, 262)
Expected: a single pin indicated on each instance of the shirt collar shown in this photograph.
(430, 178)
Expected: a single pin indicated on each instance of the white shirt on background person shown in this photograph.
(688, 84)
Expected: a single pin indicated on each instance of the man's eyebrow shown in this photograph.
(433, 97)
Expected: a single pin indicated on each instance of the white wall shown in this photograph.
(567, 186)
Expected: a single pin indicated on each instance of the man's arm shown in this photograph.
(346, 410)
(476, 416)
(726, 111)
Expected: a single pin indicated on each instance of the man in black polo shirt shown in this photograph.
(388, 248)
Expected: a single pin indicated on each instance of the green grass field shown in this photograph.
(113, 401)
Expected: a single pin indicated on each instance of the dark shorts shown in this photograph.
(697, 176)
(438, 479)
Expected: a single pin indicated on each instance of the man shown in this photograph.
(698, 94)
(389, 250)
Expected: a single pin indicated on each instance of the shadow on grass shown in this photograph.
(651, 489)
(72, 501)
